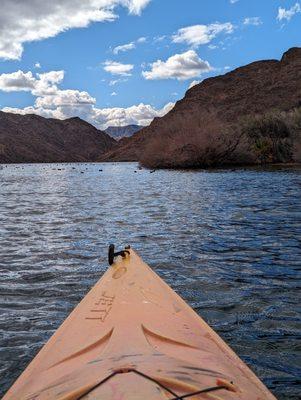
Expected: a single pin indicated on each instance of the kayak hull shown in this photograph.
(133, 337)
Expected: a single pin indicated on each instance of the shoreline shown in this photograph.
(215, 168)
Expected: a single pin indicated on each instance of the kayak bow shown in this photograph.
(131, 338)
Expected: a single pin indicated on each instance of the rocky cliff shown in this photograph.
(31, 138)
(205, 127)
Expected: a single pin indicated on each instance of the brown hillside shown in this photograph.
(31, 138)
(204, 128)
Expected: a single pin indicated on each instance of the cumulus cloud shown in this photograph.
(197, 35)
(51, 101)
(179, 66)
(38, 85)
(65, 98)
(17, 81)
(26, 21)
(141, 114)
(252, 21)
(37, 65)
(289, 13)
(117, 68)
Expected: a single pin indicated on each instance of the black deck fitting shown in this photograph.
(112, 254)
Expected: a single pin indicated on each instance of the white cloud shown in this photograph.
(159, 38)
(180, 66)
(193, 83)
(197, 35)
(114, 82)
(113, 94)
(116, 68)
(53, 102)
(141, 114)
(17, 81)
(46, 83)
(252, 21)
(38, 85)
(233, 1)
(128, 46)
(134, 6)
(124, 47)
(26, 21)
(37, 65)
(288, 14)
(65, 98)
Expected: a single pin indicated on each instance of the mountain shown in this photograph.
(31, 138)
(118, 132)
(228, 119)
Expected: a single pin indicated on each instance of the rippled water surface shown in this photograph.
(229, 242)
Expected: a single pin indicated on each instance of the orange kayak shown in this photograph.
(133, 338)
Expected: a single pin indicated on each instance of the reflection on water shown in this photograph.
(229, 242)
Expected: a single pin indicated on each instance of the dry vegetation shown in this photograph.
(274, 137)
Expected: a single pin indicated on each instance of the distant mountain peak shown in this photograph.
(118, 132)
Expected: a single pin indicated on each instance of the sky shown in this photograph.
(120, 62)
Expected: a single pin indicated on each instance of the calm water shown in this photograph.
(229, 242)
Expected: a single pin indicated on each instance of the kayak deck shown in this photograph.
(133, 337)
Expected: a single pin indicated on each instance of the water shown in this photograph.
(229, 242)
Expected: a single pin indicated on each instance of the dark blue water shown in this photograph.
(229, 242)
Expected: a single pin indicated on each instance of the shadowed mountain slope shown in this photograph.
(31, 138)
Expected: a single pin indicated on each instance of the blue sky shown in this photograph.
(114, 62)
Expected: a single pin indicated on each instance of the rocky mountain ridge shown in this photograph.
(32, 138)
(205, 127)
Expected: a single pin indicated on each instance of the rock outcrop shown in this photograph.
(31, 138)
(205, 127)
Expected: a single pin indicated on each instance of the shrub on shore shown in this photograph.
(273, 137)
